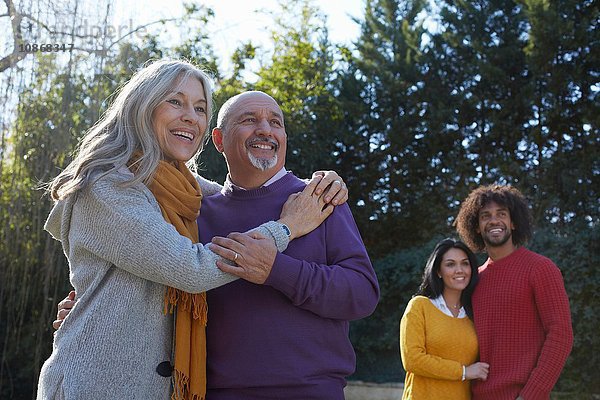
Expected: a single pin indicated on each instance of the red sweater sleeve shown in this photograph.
(553, 309)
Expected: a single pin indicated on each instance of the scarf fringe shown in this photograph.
(181, 389)
(196, 303)
(200, 308)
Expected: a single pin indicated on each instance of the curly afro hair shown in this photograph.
(467, 221)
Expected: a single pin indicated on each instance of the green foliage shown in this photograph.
(521, 85)
(376, 338)
(412, 165)
(31, 273)
(197, 48)
(562, 54)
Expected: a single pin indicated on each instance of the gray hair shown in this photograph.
(126, 127)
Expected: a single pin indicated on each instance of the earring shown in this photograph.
(439, 276)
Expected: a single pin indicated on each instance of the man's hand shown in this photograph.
(64, 308)
(336, 191)
(252, 255)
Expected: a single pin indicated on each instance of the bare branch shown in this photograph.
(11, 59)
(16, 17)
(139, 28)
(15, 56)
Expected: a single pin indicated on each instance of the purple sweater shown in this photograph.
(286, 339)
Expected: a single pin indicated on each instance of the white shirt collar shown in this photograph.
(280, 174)
(440, 304)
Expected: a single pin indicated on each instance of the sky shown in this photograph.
(237, 21)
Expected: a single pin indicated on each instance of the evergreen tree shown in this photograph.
(414, 181)
(519, 81)
(564, 127)
(481, 71)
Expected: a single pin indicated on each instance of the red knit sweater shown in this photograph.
(523, 323)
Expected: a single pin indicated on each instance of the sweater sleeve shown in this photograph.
(345, 287)
(553, 309)
(413, 350)
(124, 227)
(269, 229)
(208, 187)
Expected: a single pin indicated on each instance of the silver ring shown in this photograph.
(236, 257)
(338, 182)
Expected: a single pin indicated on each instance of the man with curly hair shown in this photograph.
(521, 309)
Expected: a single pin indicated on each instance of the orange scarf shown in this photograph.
(179, 195)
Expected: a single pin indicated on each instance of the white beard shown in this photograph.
(261, 163)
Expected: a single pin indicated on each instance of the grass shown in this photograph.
(573, 396)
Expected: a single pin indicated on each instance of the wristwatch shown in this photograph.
(286, 230)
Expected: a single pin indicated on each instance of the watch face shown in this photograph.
(286, 230)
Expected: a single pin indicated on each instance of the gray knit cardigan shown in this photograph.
(122, 254)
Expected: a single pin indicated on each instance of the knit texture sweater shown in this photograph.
(434, 347)
(523, 323)
(122, 254)
(288, 338)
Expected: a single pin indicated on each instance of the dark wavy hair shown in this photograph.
(467, 221)
(432, 286)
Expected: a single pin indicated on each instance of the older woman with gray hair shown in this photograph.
(125, 214)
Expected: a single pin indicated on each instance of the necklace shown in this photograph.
(455, 306)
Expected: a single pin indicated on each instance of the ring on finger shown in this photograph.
(338, 182)
(236, 257)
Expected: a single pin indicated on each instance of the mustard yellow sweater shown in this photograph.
(434, 347)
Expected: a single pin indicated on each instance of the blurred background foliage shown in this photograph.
(432, 99)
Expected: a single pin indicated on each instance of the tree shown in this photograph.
(33, 274)
(413, 179)
(300, 78)
(563, 127)
(520, 86)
